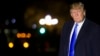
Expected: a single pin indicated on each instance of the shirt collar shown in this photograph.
(80, 23)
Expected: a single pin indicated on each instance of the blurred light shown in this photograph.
(42, 30)
(6, 22)
(34, 26)
(23, 35)
(13, 20)
(42, 21)
(48, 17)
(18, 35)
(6, 31)
(14, 31)
(48, 21)
(10, 44)
(28, 35)
(25, 44)
(54, 21)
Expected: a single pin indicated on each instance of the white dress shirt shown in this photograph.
(78, 28)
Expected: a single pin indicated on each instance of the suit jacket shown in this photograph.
(88, 40)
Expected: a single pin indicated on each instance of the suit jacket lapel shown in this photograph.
(83, 30)
(67, 38)
(69, 30)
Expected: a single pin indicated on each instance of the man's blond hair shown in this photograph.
(77, 5)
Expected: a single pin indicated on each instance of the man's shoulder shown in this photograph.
(93, 23)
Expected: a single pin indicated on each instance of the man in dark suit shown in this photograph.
(87, 41)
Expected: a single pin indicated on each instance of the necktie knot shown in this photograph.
(76, 24)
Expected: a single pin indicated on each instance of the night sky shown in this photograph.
(15, 9)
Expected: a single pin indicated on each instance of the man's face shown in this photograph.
(77, 14)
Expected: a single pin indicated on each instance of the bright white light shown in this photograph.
(54, 21)
(42, 21)
(48, 20)
(47, 17)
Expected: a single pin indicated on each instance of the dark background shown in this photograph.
(16, 9)
(9, 9)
